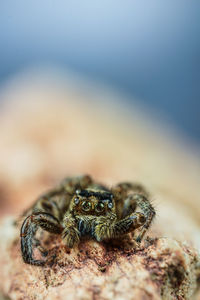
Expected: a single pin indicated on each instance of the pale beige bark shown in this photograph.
(50, 130)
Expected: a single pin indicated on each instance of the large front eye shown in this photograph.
(110, 205)
(86, 205)
(99, 207)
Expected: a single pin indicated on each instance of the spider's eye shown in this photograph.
(110, 205)
(78, 192)
(86, 205)
(76, 201)
(99, 207)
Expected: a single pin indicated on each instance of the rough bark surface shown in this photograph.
(44, 139)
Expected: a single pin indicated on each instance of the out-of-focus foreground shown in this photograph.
(51, 129)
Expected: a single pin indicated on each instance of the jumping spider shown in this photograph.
(79, 206)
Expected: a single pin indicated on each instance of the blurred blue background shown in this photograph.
(149, 50)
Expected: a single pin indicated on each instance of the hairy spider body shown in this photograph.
(79, 206)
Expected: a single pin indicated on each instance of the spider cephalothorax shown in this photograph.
(79, 206)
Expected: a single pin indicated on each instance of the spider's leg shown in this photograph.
(47, 213)
(127, 203)
(70, 234)
(29, 227)
(71, 184)
(121, 192)
(112, 228)
(56, 201)
(124, 187)
(139, 200)
(147, 208)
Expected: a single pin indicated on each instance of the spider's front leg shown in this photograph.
(29, 227)
(107, 228)
(147, 208)
(70, 234)
(129, 197)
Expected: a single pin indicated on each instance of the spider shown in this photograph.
(79, 206)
